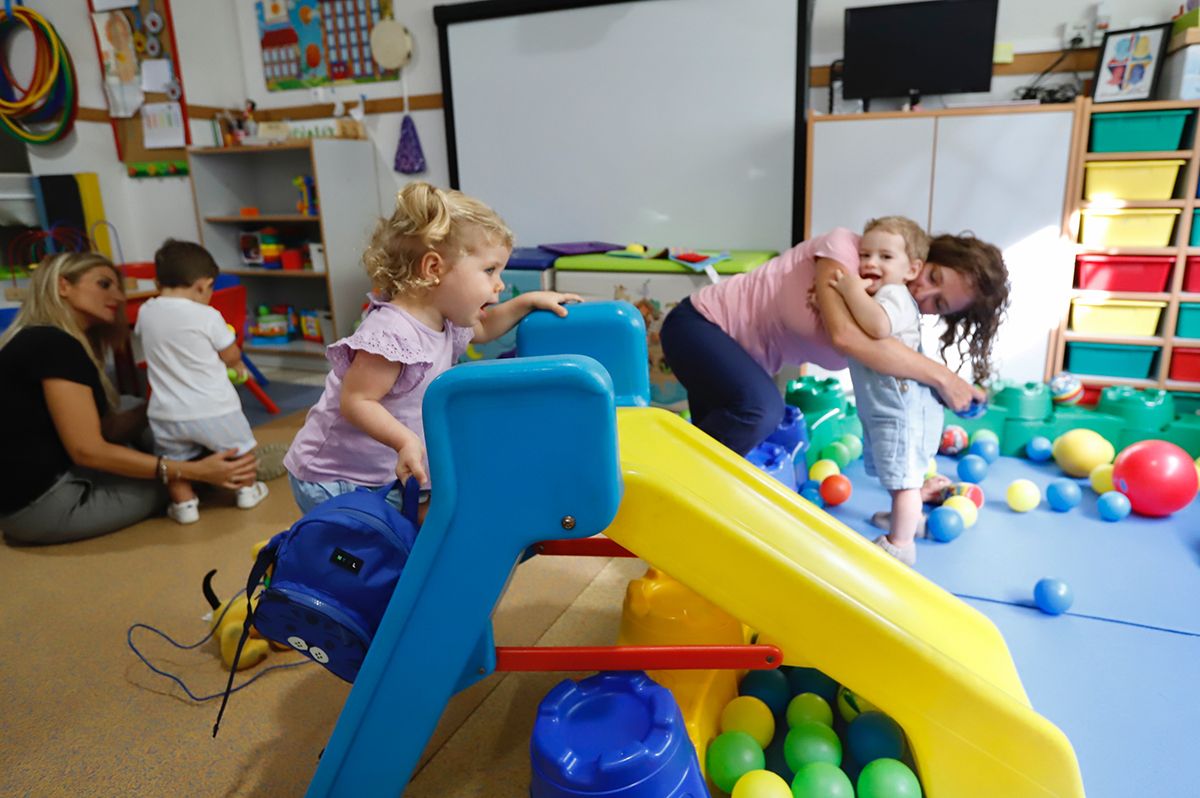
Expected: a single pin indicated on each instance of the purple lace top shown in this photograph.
(328, 447)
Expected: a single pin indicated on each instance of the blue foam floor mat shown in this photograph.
(289, 396)
(1118, 673)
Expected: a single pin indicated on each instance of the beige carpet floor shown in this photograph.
(82, 716)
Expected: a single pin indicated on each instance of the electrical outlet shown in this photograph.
(1076, 34)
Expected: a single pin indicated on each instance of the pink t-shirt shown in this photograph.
(328, 447)
(769, 311)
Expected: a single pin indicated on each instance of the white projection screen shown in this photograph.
(665, 122)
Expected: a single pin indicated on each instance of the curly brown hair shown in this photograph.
(972, 331)
(426, 219)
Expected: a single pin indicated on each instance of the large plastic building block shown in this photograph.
(827, 413)
(1027, 401)
(1069, 417)
(619, 735)
(1184, 432)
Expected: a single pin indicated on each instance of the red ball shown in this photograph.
(835, 489)
(1158, 477)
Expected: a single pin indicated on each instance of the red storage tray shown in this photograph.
(1191, 277)
(1148, 273)
(1185, 364)
(1091, 395)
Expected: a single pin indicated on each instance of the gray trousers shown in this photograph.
(84, 503)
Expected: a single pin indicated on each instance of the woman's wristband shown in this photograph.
(162, 468)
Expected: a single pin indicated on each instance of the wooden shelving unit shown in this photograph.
(1184, 199)
(226, 179)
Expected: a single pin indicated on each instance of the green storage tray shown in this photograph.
(1194, 236)
(1138, 131)
(1111, 360)
(1189, 321)
(740, 260)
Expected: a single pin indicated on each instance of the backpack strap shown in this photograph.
(266, 557)
(410, 494)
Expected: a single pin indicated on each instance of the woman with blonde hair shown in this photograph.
(66, 468)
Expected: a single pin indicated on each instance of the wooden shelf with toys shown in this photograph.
(299, 205)
(1134, 312)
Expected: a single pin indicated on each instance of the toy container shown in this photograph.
(1131, 180)
(616, 735)
(1139, 131)
(1148, 273)
(1191, 277)
(1188, 325)
(1111, 360)
(1128, 227)
(1115, 316)
(1185, 364)
(1194, 236)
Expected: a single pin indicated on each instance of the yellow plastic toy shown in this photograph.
(1079, 451)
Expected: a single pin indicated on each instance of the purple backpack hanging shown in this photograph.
(410, 159)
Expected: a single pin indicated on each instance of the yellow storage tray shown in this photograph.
(1131, 180)
(1116, 316)
(1128, 227)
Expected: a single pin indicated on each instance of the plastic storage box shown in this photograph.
(1131, 180)
(1132, 227)
(1115, 316)
(1188, 325)
(1148, 273)
(1191, 275)
(1111, 360)
(1185, 364)
(1138, 131)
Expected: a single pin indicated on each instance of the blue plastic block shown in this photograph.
(776, 461)
(619, 735)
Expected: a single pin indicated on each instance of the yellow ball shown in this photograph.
(761, 784)
(1101, 478)
(639, 248)
(1079, 451)
(822, 469)
(966, 508)
(932, 470)
(1023, 495)
(750, 715)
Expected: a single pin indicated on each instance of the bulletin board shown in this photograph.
(143, 84)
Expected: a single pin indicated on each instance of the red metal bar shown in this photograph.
(629, 658)
(257, 390)
(584, 547)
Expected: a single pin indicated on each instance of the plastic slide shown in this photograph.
(832, 601)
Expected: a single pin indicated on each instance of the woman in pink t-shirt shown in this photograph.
(725, 342)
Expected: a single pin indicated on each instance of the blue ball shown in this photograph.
(944, 524)
(771, 687)
(1113, 505)
(810, 484)
(811, 680)
(1039, 449)
(1063, 494)
(986, 448)
(873, 735)
(972, 468)
(813, 495)
(1052, 596)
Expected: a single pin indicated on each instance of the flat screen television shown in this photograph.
(910, 49)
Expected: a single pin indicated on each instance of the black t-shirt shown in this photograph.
(31, 455)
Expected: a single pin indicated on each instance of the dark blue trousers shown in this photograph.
(729, 395)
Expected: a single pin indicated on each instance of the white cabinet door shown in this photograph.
(1002, 177)
(871, 167)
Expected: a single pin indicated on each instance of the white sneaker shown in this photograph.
(251, 496)
(187, 512)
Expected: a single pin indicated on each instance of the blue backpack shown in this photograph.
(334, 573)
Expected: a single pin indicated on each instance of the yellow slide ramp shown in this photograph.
(832, 601)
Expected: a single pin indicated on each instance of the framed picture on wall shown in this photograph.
(1130, 64)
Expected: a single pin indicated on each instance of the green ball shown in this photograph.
(809, 707)
(731, 756)
(821, 780)
(811, 742)
(838, 452)
(888, 778)
(853, 443)
(985, 434)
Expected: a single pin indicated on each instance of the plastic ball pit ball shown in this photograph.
(1079, 451)
(822, 469)
(821, 780)
(838, 452)
(968, 489)
(945, 524)
(964, 507)
(1066, 389)
(1052, 596)
(954, 440)
(972, 468)
(770, 687)
(836, 489)
(813, 495)
(1158, 477)
(809, 707)
(761, 784)
(888, 778)
(750, 715)
(1113, 506)
(873, 735)
(1039, 449)
(854, 444)
(851, 704)
(811, 742)
(984, 434)
(1023, 495)
(986, 448)
(811, 680)
(1101, 478)
(1063, 495)
(731, 756)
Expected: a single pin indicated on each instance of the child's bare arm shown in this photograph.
(501, 318)
(231, 356)
(868, 313)
(367, 381)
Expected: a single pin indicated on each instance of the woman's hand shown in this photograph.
(410, 461)
(226, 469)
(957, 393)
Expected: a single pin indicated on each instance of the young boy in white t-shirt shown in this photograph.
(194, 408)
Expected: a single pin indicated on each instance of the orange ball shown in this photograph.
(836, 489)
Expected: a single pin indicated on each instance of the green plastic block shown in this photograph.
(1151, 409)
(1184, 432)
(1069, 418)
(1017, 433)
(1026, 401)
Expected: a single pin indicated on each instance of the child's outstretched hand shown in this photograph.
(846, 283)
(552, 301)
(410, 462)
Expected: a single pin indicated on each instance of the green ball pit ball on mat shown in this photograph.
(854, 444)
(838, 452)
(821, 780)
(888, 778)
(731, 756)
